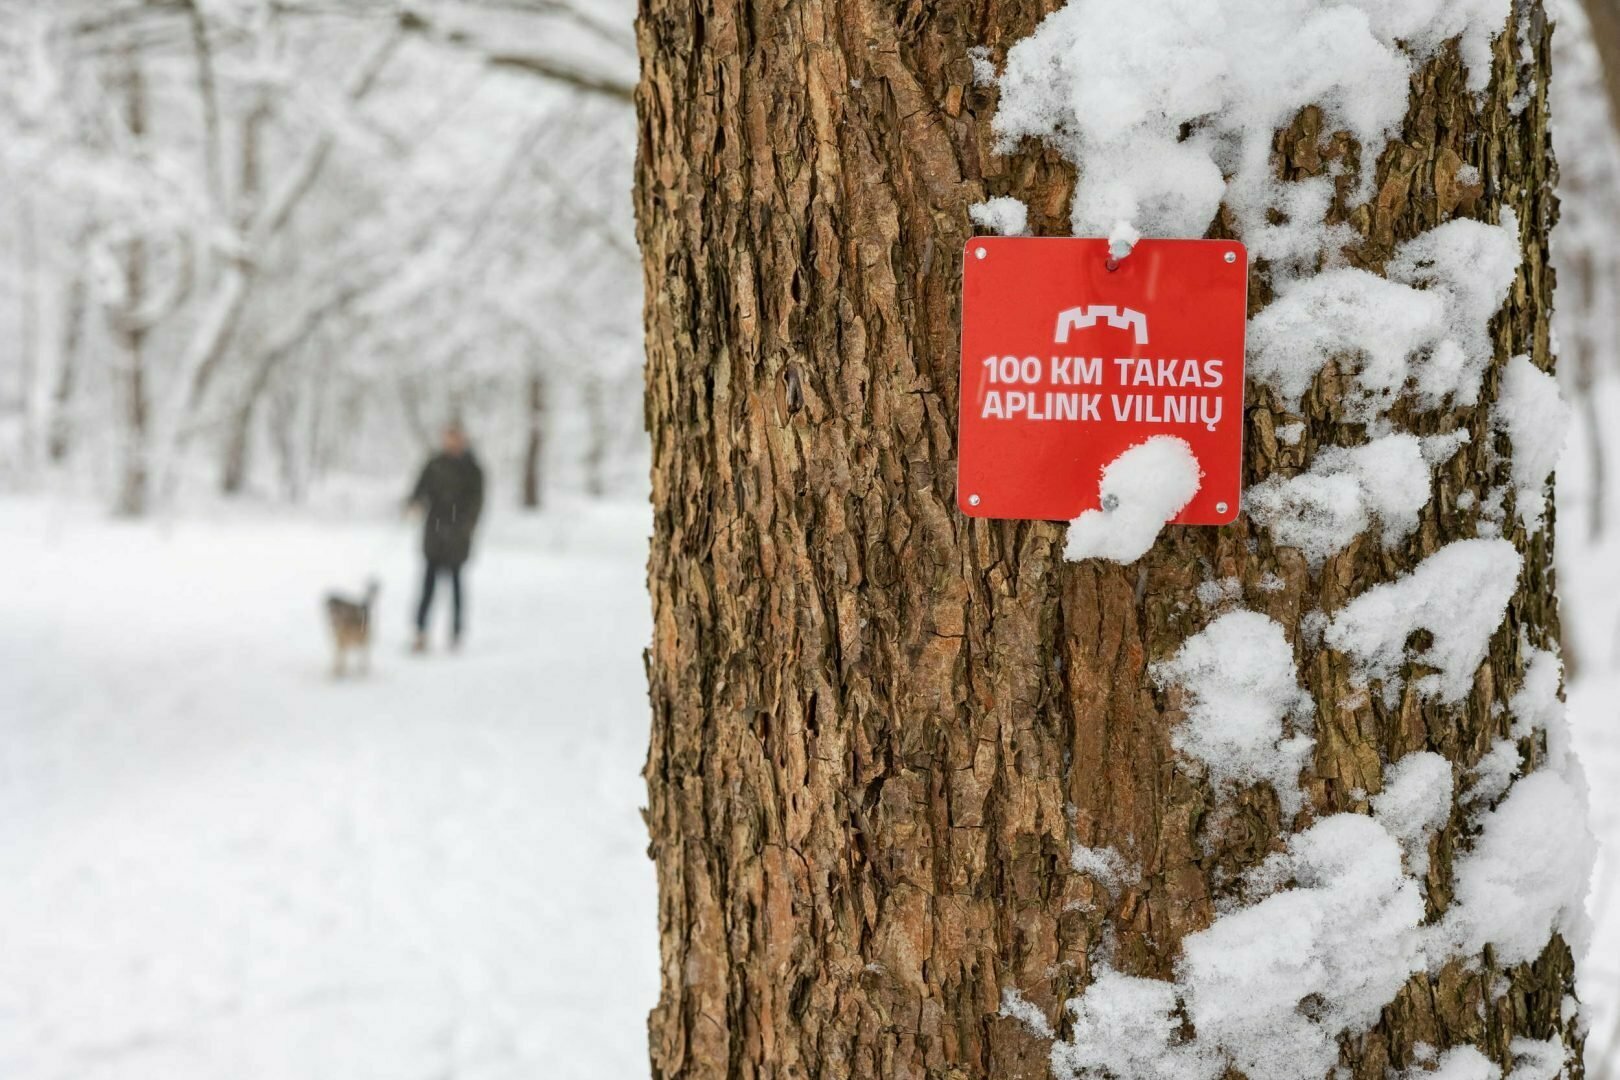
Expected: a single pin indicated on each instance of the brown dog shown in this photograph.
(351, 629)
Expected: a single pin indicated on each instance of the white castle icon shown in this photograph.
(1078, 318)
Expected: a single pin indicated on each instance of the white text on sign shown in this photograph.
(1120, 378)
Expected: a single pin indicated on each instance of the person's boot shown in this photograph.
(420, 644)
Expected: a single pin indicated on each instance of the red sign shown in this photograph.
(1067, 364)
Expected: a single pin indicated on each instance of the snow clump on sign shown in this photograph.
(1142, 489)
(1321, 512)
(1239, 675)
(1533, 414)
(1003, 214)
(1459, 595)
(1415, 803)
(1170, 106)
(1423, 329)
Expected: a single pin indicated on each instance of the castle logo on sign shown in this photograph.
(1079, 318)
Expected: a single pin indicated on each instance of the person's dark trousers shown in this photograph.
(429, 579)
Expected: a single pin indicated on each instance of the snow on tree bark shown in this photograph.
(881, 730)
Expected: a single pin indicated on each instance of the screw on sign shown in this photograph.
(1069, 359)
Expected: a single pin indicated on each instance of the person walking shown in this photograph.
(450, 496)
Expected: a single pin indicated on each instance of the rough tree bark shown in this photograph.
(878, 727)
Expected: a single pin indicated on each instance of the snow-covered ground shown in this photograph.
(218, 862)
(1589, 598)
(1594, 703)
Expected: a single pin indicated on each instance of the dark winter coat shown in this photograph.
(451, 492)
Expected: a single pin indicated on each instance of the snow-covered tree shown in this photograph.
(1288, 800)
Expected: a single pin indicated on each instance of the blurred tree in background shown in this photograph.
(258, 244)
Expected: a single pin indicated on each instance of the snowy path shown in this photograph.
(219, 863)
(215, 862)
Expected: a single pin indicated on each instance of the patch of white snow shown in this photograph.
(1107, 866)
(1459, 595)
(1126, 1026)
(1536, 418)
(1458, 1063)
(1142, 489)
(1004, 215)
(1321, 512)
(1415, 803)
(1016, 1006)
(1170, 106)
(1274, 985)
(1423, 329)
(1525, 877)
(1240, 679)
(1538, 1059)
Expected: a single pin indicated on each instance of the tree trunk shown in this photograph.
(316, 452)
(28, 336)
(133, 483)
(60, 439)
(238, 446)
(132, 489)
(1604, 16)
(1586, 359)
(281, 424)
(532, 456)
(597, 434)
(879, 728)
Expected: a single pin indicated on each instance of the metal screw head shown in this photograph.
(979, 253)
(1220, 508)
(1231, 256)
(973, 500)
(1110, 502)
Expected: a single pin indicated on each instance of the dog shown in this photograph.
(350, 620)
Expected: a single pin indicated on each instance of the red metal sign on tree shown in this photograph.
(1069, 360)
